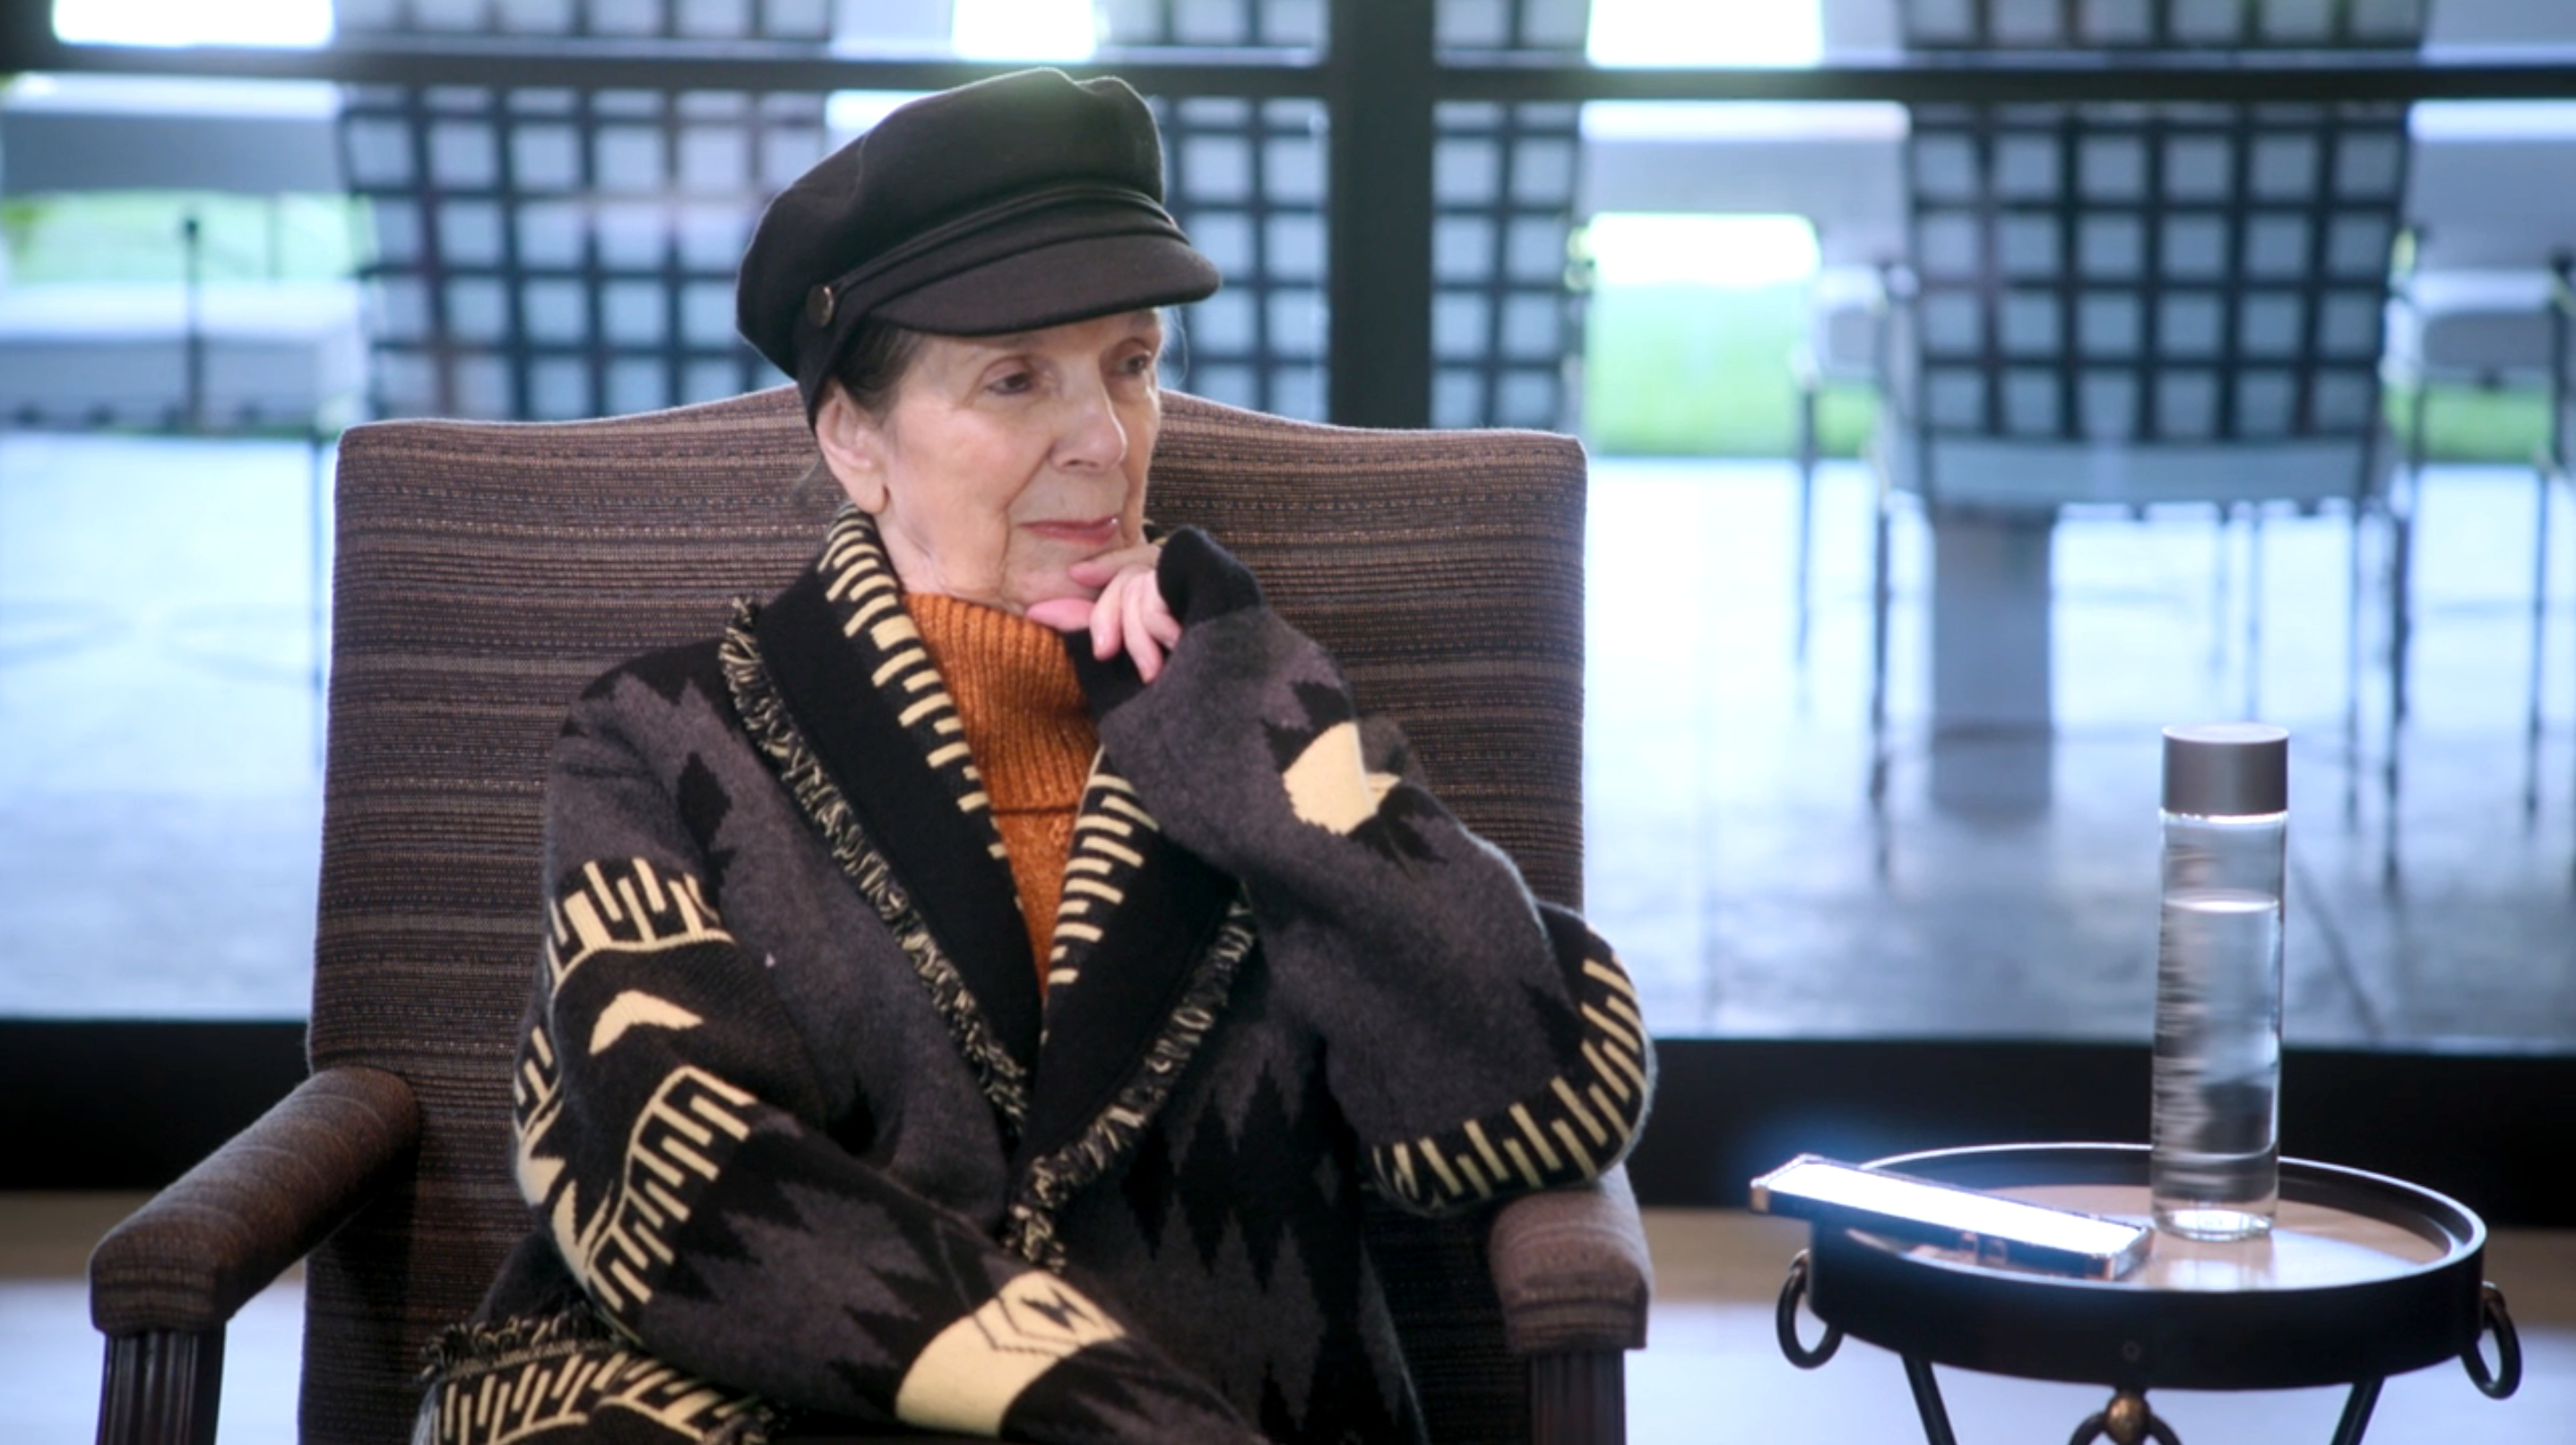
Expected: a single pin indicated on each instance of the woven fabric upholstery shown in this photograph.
(487, 571)
(1546, 1255)
(197, 1253)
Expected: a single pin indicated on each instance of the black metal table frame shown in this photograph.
(2128, 1419)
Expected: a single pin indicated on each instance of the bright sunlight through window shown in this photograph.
(1025, 30)
(848, 112)
(193, 22)
(1635, 249)
(981, 30)
(1707, 32)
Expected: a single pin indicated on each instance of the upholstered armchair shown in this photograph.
(486, 571)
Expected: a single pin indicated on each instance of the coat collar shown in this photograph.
(834, 685)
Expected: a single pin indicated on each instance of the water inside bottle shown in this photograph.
(2214, 1170)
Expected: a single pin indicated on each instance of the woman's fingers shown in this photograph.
(1139, 633)
(1064, 614)
(1128, 615)
(1104, 618)
(1077, 614)
(1096, 571)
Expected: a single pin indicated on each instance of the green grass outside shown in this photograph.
(135, 236)
(1704, 371)
(2470, 424)
(1695, 371)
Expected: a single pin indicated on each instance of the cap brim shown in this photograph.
(1050, 285)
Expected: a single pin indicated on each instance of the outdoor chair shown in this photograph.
(2134, 306)
(2485, 300)
(486, 571)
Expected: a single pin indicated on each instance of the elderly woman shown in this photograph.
(981, 986)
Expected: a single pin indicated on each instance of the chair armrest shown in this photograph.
(1571, 1269)
(189, 1259)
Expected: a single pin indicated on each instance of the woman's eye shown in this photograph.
(1012, 383)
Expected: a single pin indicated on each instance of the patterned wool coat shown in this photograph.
(804, 1138)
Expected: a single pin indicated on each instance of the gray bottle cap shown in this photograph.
(2224, 770)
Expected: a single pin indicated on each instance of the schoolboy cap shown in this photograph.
(1009, 204)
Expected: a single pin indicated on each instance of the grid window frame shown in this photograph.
(2225, 254)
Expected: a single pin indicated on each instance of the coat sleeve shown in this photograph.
(672, 1138)
(1482, 1043)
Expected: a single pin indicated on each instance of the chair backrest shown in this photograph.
(2099, 285)
(2492, 187)
(486, 571)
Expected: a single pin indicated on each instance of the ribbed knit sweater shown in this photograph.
(1031, 735)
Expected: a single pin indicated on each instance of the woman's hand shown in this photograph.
(1129, 615)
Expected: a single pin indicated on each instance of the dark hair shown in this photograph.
(879, 355)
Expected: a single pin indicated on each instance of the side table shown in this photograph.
(2362, 1277)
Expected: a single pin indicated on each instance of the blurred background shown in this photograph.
(205, 275)
(1973, 387)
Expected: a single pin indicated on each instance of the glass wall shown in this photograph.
(261, 264)
(1776, 291)
(1740, 306)
(180, 339)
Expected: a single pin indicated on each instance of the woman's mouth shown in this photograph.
(1098, 534)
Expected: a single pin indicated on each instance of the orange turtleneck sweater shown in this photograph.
(1031, 735)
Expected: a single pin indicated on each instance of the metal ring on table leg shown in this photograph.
(2125, 1421)
(2507, 1375)
(1786, 1317)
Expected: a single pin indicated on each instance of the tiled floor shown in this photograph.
(1735, 861)
(1711, 1374)
(160, 787)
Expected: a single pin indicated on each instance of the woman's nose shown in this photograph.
(1093, 434)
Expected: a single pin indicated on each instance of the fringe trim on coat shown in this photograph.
(765, 717)
(465, 1354)
(1054, 1178)
(515, 1341)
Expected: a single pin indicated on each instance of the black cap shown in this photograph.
(1023, 201)
(2227, 770)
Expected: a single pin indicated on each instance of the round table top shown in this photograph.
(2361, 1277)
(2315, 1243)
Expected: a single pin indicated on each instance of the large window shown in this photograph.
(1721, 297)
(205, 279)
(179, 338)
(1987, 865)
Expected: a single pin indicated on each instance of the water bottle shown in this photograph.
(2214, 1168)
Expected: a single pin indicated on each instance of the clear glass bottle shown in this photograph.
(2214, 1168)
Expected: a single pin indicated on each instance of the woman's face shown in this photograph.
(1004, 460)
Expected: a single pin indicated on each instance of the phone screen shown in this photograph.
(1989, 1225)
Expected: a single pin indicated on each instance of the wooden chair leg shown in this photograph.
(1579, 1398)
(161, 1388)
